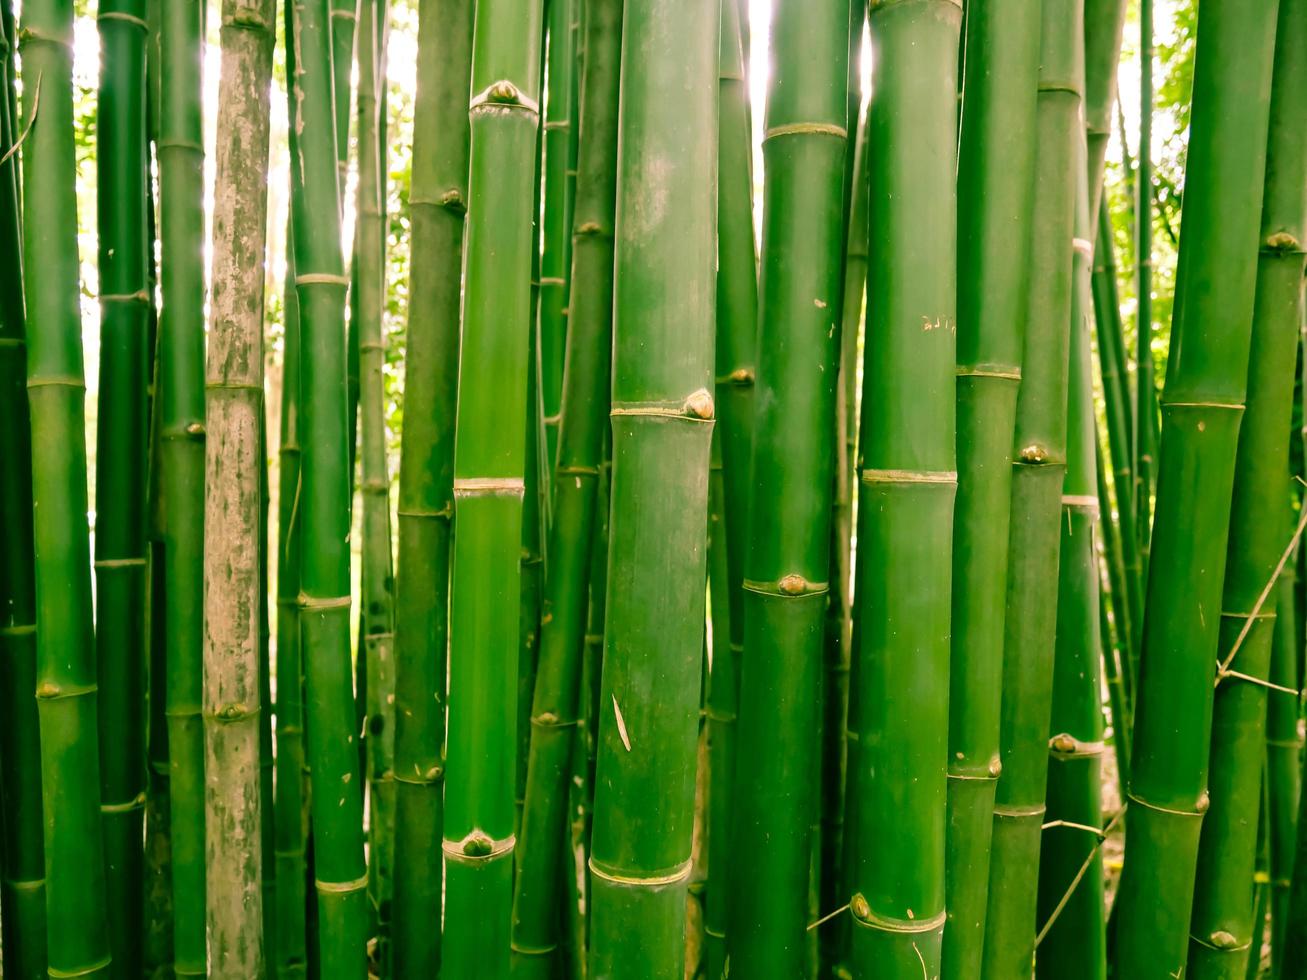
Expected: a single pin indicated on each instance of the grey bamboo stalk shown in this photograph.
(233, 518)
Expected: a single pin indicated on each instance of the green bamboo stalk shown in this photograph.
(1073, 946)
(76, 924)
(378, 601)
(556, 230)
(556, 702)
(1039, 466)
(996, 202)
(1115, 640)
(839, 630)
(181, 459)
(1104, 26)
(535, 491)
(122, 432)
(791, 489)
(662, 432)
(1284, 747)
(22, 890)
(1202, 407)
(234, 583)
(734, 357)
(721, 708)
(158, 941)
(1119, 414)
(267, 755)
(344, 23)
(1221, 932)
(908, 482)
(437, 202)
(489, 457)
(1145, 417)
(320, 280)
(291, 773)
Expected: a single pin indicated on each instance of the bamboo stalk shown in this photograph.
(996, 166)
(661, 416)
(1145, 415)
(735, 355)
(1104, 26)
(1284, 747)
(1202, 407)
(489, 458)
(234, 583)
(76, 923)
(22, 889)
(122, 432)
(555, 230)
(556, 702)
(791, 489)
(1115, 641)
(437, 202)
(1073, 946)
(378, 602)
(181, 459)
(1040, 455)
(908, 482)
(337, 805)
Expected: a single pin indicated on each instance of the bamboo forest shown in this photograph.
(653, 489)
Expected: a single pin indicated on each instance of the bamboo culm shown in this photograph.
(489, 462)
(907, 485)
(66, 685)
(234, 520)
(1222, 933)
(581, 431)
(1039, 466)
(787, 565)
(337, 799)
(181, 459)
(1202, 407)
(662, 410)
(22, 891)
(995, 207)
(437, 201)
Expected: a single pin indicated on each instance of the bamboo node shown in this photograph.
(1033, 454)
(1221, 939)
(233, 712)
(699, 405)
(477, 844)
(195, 429)
(792, 584)
(1062, 743)
(1282, 241)
(453, 199)
(995, 766)
(741, 376)
(860, 907)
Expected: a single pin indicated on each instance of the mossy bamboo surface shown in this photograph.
(235, 592)
(320, 281)
(378, 600)
(76, 923)
(489, 460)
(996, 167)
(22, 892)
(1284, 747)
(661, 421)
(556, 703)
(555, 230)
(908, 482)
(1039, 463)
(437, 202)
(122, 433)
(181, 463)
(1202, 408)
(787, 565)
(1073, 946)
(735, 355)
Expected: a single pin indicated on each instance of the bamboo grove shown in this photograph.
(613, 489)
